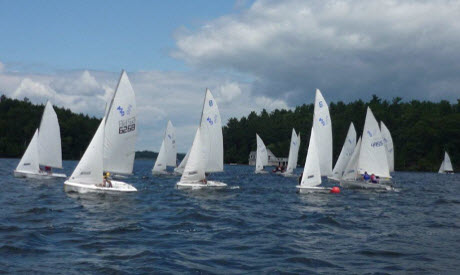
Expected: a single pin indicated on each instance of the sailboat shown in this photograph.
(207, 152)
(446, 166)
(168, 154)
(388, 142)
(345, 154)
(112, 147)
(293, 154)
(261, 156)
(180, 169)
(44, 149)
(371, 159)
(323, 128)
(311, 176)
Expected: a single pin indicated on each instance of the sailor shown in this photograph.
(48, 170)
(374, 179)
(106, 180)
(366, 176)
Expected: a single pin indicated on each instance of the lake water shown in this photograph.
(258, 225)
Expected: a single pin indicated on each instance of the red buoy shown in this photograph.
(335, 190)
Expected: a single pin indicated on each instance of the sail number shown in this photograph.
(126, 125)
(377, 143)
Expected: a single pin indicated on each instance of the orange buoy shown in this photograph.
(335, 190)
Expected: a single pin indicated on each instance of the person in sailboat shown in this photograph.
(106, 181)
(366, 176)
(374, 179)
(48, 170)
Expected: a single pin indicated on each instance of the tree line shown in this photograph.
(421, 130)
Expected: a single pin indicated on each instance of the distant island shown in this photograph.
(421, 130)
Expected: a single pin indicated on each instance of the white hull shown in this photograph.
(317, 189)
(118, 187)
(39, 175)
(447, 172)
(334, 179)
(261, 172)
(159, 173)
(365, 185)
(201, 185)
(290, 175)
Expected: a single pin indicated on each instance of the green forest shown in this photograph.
(421, 131)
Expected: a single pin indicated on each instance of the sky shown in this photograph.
(253, 55)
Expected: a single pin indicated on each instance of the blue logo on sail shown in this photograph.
(210, 103)
(120, 109)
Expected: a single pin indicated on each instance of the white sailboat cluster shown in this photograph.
(112, 148)
(293, 154)
(207, 152)
(261, 156)
(369, 156)
(44, 149)
(345, 154)
(446, 165)
(168, 153)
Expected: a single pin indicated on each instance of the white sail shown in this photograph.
(345, 154)
(29, 161)
(211, 129)
(323, 130)
(180, 169)
(311, 173)
(351, 170)
(293, 152)
(388, 142)
(120, 129)
(261, 154)
(90, 168)
(195, 167)
(446, 165)
(49, 139)
(373, 157)
(167, 155)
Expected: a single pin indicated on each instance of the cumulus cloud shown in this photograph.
(348, 49)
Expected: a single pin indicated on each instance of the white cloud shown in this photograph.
(2, 67)
(349, 49)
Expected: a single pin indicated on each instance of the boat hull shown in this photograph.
(365, 185)
(118, 187)
(160, 173)
(201, 185)
(333, 179)
(39, 175)
(318, 189)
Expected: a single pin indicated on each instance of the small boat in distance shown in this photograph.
(261, 156)
(446, 166)
(388, 142)
(44, 149)
(293, 154)
(168, 154)
(207, 152)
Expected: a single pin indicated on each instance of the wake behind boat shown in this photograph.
(112, 147)
(44, 149)
(206, 154)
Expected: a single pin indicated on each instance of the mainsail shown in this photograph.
(49, 139)
(388, 142)
(211, 129)
(323, 131)
(351, 170)
(261, 154)
(167, 155)
(120, 129)
(372, 157)
(195, 167)
(293, 152)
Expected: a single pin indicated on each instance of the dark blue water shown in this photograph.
(258, 225)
